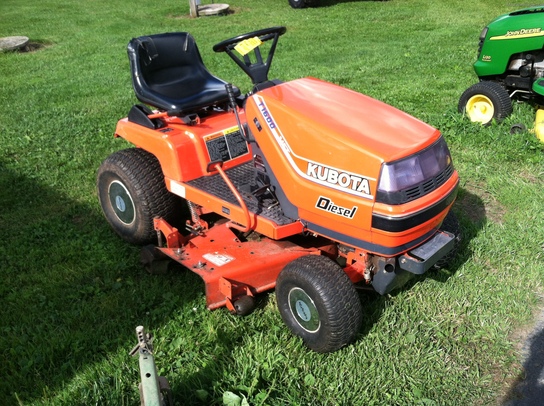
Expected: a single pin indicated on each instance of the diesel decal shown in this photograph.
(324, 203)
(343, 179)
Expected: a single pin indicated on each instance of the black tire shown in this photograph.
(485, 101)
(302, 3)
(244, 305)
(517, 128)
(452, 226)
(131, 191)
(153, 260)
(318, 302)
(297, 3)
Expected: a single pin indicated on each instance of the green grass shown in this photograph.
(72, 292)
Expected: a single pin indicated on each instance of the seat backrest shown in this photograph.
(168, 73)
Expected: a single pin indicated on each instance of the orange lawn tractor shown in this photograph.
(302, 186)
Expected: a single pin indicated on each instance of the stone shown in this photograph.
(13, 43)
(213, 9)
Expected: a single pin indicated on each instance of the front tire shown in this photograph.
(318, 302)
(484, 102)
(132, 191)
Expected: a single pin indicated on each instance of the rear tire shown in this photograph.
(485, 101)
(132, 192)
(318, 302)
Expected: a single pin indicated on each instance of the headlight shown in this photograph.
(409, 178)
(483, 34)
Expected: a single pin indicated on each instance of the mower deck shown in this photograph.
(231, 268)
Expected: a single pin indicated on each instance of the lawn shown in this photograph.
(73, 292)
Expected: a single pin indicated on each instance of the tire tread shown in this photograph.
(495, 91)
(340, 299)
(143, 172)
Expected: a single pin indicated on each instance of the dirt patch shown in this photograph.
(531, 177)
(34, 46)
(479, 205)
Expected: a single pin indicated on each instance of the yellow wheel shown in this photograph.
(480, 109)
(485, 101)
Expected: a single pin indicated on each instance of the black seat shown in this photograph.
(168, 73)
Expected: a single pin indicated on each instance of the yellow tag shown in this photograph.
(247, 45)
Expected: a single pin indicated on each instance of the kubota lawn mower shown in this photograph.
(304, 186)
(510, 65)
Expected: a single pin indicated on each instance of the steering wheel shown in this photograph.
(264, 35)
(257, 69)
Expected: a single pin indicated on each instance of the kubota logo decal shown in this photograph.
(334, 178)
(324, 203)
(343, 179)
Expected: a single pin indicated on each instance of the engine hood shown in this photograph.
(509, 34)
(322, 147)
(333, 114)
(319, 123)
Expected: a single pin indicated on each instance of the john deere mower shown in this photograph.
(510, 65)
(302, 186)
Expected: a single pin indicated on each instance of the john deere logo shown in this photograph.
(518, 33)
(522, 33)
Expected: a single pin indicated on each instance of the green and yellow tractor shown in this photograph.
(510, 66)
